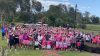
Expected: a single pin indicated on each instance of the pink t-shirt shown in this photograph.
(44, 42)
(48, 42)
(21, 36)
(78, 44)
(26, 42)
(94, 40)
(68, 41)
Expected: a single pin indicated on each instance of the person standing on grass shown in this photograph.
(16, 40)
(47, 36)
(65, 45)
(12, 40)
(48, 44)
(37, 44)
(3, 32)
(78, 45)
(43, 44)
(73, 42)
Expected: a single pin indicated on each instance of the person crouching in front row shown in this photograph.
(37, 45)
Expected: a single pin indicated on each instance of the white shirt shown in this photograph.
(40, 38)
(36, 43)
(14, 28)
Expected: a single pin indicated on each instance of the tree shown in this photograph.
(79, 17)
(71, 12)
(59, 13)
(72, 16)
(7, 8)
(27, 8)
(95, 19)
(37, 5)
(86, 17)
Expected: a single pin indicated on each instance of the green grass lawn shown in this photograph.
(3, 43)
(92, 28)
(25, 52)
(74, 53)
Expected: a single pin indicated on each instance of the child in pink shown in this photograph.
(43, 43)
(61, 45)
(68, 41)
(21, 37)
(78, 45)
(65, 45)
(49, 44)
(57, 45)
(94, 40)
(98, 39)
(26, 42)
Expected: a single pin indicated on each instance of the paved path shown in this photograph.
(50, 53)
(94, 54)
(55, 53)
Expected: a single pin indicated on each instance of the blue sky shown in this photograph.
(93, 6)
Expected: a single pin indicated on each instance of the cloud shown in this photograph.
(84, 8)
(87, 7)
(47, 3)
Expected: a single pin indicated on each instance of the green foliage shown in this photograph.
(10, 19)
(24, 16)
(37, 5)
(7, 6)
(23, 52)
(57, 15)
(72, 13)
(95, 20)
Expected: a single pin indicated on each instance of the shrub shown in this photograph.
(92, 47)
(82, 26)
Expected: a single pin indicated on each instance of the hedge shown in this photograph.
(94, 48)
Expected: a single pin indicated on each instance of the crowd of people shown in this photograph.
(45, 37)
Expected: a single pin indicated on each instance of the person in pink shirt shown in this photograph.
(49, 44)
(68, 41)
(43, 43)
(98, 39)
(65, 46)
(94, 40)
(20, 39)
(61, 45)
(79, 45)
(57, 45)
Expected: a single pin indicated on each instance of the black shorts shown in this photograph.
(36, 47)
(11, 43)
(73, 45)
(16, 40)
(3, 34)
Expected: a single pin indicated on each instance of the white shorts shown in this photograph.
(48, 47)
